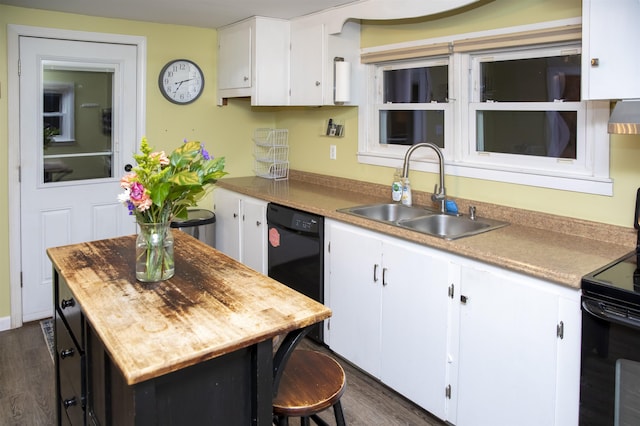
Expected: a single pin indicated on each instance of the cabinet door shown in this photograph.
(355, 283)
(254, 234)
(234, 56)
(227, 206)
(414, 323)
(610, 35)
(507, 361)
(308, 53)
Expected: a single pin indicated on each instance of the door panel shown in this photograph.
(72, 151)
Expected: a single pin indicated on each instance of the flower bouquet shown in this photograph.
(159, 190)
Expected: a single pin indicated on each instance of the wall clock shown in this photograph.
(181, 81)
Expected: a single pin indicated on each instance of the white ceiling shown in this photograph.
(199, 13)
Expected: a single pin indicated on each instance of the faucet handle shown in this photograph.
(472, 212)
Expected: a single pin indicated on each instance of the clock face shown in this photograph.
(181, 81)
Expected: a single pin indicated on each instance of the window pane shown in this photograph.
(539, 133)
(408, 127)
(77, 168)
(531, 80)
(52, 102)
(416, 85)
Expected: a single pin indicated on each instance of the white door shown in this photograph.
(84, 94)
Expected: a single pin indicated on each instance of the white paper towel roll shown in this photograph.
(342, 92)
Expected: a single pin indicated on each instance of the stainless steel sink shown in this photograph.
(425, 220)
(450, 227)
(387, 212)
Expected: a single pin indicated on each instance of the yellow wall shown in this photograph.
(227, 131)
(310, 151)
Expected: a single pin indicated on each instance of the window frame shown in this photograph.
(589, 173)
(67, 113)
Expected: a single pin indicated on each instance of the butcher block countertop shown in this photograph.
(212, 306)
(553, 248)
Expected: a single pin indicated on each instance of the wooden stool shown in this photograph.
(311, 382)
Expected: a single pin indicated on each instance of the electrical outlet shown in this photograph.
(332, 152)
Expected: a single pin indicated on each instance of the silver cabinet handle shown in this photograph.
(375, 273)
(384, 276)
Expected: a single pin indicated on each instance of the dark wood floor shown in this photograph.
(26, 378)
(27, 388)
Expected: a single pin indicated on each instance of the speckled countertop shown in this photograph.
(554, 248)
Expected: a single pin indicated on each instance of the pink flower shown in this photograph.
(137, 192)
(161, 156)
(126, 180)
(144, 204)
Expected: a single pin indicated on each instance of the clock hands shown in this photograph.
(179, 83)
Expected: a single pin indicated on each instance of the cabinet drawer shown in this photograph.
(69, 309)
(70, 364)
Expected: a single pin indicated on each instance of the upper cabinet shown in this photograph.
(313, 55)
(253, 61)
(610, 33)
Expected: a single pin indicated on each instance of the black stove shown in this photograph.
(609, 355)
(617, 281)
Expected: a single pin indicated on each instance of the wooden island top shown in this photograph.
(211, 307)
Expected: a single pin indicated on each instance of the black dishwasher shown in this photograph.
(296, 253)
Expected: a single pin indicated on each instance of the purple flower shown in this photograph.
(204, 152)
(130, 207)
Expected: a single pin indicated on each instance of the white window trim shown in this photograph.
(590, 177)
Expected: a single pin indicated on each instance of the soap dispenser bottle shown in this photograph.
(406, 192)
(396, 187)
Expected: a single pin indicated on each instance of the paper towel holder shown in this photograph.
(341, 81)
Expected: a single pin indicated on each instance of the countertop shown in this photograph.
(212, 306)
(557, 249)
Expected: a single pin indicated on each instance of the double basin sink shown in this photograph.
(424, 220)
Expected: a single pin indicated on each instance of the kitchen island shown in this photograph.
(196, 349)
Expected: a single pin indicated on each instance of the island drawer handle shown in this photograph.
(66, 352)
(67, 303)
(70, 402)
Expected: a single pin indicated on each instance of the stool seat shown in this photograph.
(311, 382)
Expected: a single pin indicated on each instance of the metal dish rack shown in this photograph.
(271, 152)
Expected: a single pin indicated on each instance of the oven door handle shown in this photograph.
(597, 310)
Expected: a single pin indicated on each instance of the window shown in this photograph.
(506, 111)
(58, 113)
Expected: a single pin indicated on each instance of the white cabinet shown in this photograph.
(313, 51)
(610, 63)
(253, 61)
(472, 343)
(241, 228)
(519, 353)
(390, 306)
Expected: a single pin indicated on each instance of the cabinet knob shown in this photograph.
(70, 402)
(246, 78)
(463, 299)
(67, 303)
(595, 62)
(66, 353)
(317, 83)
(258, 223)
(235, 215)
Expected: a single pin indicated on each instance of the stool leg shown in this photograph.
(304, 421)
(283, 421)
(337, 411)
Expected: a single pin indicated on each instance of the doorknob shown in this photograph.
(128, 168)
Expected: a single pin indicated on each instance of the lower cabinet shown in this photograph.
(390, 307)
(241, 228)
(472, 343)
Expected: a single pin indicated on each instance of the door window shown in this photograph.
(76, 115)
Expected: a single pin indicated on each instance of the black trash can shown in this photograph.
(200, 224)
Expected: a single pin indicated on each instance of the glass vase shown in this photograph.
(154, 252)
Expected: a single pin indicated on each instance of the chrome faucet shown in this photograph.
(439, 193)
